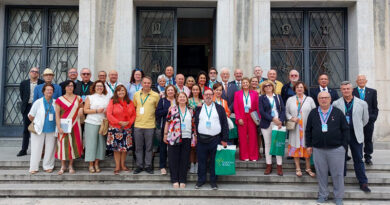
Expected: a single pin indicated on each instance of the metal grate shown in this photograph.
(45, 37)
(312, 42)
(156, 33)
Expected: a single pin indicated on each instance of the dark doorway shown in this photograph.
(195, 43)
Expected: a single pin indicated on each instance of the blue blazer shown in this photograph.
(232, 88)
(265, 110)
(162, 112)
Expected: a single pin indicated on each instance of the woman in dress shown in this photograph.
(135, 82)
(190, 81)
(161, 115)
(272, 113)
(245, 102)
(179, 130)
(202, 79)
(69, 145)
(298, 108)
(42, 114)
(194, 101)
(95, 108)
(217, 87)
(120, 116)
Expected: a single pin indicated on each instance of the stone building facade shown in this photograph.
(341, 37)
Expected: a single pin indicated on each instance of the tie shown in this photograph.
(361, 92)
(226, 87)
(239, 85)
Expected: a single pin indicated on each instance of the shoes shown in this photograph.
(214, 186)
(138, 170)
(149, 170)
(279, 170)
(163, 171)
(21, 153)
(247, 160)
(368, 162)
(349, 158)
(268, 169)
(339, 202)
(321, 200)
(364, 187)
(198, 185)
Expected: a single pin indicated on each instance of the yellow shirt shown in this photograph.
(147, 120)
(278, 88)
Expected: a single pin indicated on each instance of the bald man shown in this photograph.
(112, 82)
(180, 85)
(370, 96)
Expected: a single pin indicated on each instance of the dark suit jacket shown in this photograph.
(79, 88)
(24, 89)
(232, 88)
(224, 135)
(372, 102)
(314, 93)
(287, 91)
(265, 110)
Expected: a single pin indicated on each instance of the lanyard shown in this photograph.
(112, 89)
(349, 108)
(137, 87)
(219, 102)
(49, 106)
(246, 97)
(84, 90)
(262, 80)
(203, 90)
(211, 109)
(183, 117)
(299, 104)
(180, 91)
(143, 101)
(324, 119)
(273, 103)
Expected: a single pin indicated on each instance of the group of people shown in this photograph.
(190, 117)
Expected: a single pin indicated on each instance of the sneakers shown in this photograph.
(214, 186)
(321, 200)
(368, 162)
(198, 185)
(138, 170)
(149, 170)
(364, 187)
(21, 153)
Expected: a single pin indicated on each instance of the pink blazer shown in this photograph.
(239, 109)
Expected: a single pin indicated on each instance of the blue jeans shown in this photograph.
(203, 152)
(357, 156)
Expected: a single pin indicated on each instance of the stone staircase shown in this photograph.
(249, 182)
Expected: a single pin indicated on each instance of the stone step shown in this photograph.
(280, 191)
(107, 176)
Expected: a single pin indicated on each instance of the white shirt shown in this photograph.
(215, 127)
(326, 89)
(186, 133)
(96, 102)
(32, 87)
(184, 89)
(272, 100)
(110, 93)
(249, 100)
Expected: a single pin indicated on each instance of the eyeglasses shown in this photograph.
(208, 94)
(85, 73)
(268, 85)
(34, 71)
(73, 72)
(323, 98)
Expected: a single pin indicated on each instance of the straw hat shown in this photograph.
(48, 71)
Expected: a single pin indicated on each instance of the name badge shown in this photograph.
(141, 111)
(83, 97)
(273, 113)
(183, 126)
(208, 124)
(324, 128)
(246, 109)
(348, 119)
(51, 117)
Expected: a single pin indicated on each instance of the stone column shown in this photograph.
(243, 36)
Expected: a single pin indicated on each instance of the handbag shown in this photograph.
(225, 160)
(290, 125)
(255, 117)
(31, 128)
(104, 127)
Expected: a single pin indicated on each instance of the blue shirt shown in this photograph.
(132, 88)
(49, 126)
(38, 92)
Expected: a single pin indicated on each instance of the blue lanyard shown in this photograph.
(246, 97)
(361, 93)
(143, 102)
(84, 90)
(137, 87)
(183, 117)
(324, 119)
(112, 89)
(349, 108)
(273, 103)
(211, 110)
(48, 106)
(178, 89)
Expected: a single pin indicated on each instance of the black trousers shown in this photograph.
(205, 152)
(26, 133)
(368, 145)
(178, 158)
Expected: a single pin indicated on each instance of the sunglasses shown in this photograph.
(268, 85)
(85, 73)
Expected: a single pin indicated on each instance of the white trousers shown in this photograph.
(37, 142)
(267, 135)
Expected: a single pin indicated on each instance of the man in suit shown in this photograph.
(258, 72)
(234, 86)
(26, 90)
(356, 114)
(228, 90)
(169, 75)
(213, 73)
(287, 89)
(72, 75)
(370, 96)
(323, 82)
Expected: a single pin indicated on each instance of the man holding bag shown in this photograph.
(327, 134)
(212, 129)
